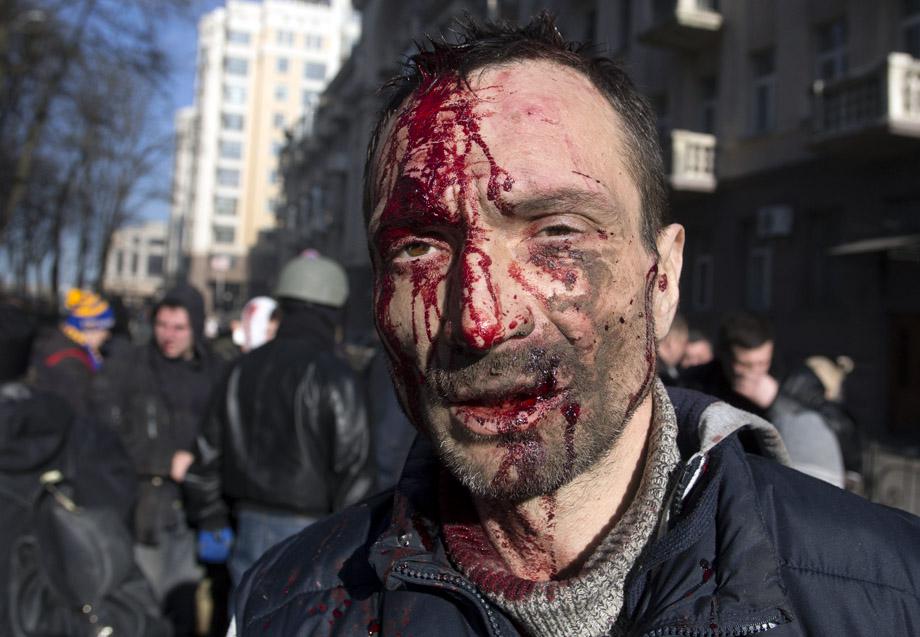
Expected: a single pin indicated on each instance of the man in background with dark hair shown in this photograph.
(155, 396)
(286, 441)
(740, 372)
(523, 274)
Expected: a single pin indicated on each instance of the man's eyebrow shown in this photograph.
(561, 200)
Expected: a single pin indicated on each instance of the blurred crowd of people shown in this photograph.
(206, 453)
(806, 405)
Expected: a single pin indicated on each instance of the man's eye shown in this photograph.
(557, 231)
(416, 249)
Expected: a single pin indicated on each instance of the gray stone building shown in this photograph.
(792, 133)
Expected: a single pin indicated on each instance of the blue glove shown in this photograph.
(214, 546)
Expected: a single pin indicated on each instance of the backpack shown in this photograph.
(72, 573)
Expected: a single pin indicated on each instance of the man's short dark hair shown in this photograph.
(744, 330)
(485, 44)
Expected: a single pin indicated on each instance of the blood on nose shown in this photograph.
(480, 318)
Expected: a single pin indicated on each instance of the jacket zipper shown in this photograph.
(740, 631)
(457, 581)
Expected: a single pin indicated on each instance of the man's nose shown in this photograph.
(485, 318)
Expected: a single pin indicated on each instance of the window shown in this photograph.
(225, 206)
(759, 279)
(119, 262)
(702, 282)
(156, 243)
(155, 265)
(230, 149)
(231, 121)
(313, 41)
(284, 37)
(273, 177)
(135, 261)
(228, 177)
(910, 27)
(831, 50)
(709, 93)
(224, 234)
(238, 37)
(236, 66)
(762, 98)
(310, 98)
(281, 92)
(276, 148)
(282, 65)
(234, 94)
(278, 120)
(314, 71)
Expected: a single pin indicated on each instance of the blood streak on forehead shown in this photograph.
(437, 132)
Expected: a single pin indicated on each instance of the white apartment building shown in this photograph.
(136, 265)
(261, 69)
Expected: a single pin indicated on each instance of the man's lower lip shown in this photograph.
(511, 416)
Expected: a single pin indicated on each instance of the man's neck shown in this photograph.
(551, 537)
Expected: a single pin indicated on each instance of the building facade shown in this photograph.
(261, 69)
(791, 130)
(136, 266)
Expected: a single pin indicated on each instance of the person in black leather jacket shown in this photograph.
(287, 440)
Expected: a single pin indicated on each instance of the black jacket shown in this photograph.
(287, 431)
(38, 433)
(788, 555)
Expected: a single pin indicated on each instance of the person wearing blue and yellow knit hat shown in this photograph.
(65, 359)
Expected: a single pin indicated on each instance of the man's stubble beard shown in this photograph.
(543, 459)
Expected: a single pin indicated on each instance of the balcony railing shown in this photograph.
(692, 161)
(886, 97)
(683, 24)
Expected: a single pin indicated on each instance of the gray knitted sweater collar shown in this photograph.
(588, 604)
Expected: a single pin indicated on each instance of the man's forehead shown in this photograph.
(535, 119)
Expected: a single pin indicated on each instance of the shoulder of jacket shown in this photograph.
(823, 530)
(329, 554)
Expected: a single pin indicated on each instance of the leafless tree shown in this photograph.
(76, 80)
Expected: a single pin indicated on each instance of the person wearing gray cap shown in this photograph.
(286, 441)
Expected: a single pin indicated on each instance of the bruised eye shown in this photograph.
(557, 230)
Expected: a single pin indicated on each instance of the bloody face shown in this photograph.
(512, 289)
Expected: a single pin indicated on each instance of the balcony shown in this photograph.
(881, 103)
(691, 161)
(684, 24)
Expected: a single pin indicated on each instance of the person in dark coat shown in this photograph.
(287, 440)
(155, 398)
(40, 433)
(67, 358)
(523, 274)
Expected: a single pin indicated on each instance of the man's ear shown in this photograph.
(666, 293)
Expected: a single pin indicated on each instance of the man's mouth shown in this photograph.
(510, 411)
